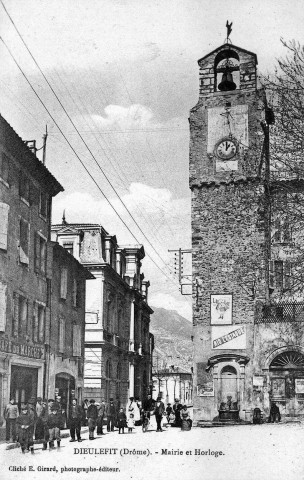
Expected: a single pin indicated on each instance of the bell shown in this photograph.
(227, 82)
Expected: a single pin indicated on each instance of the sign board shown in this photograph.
(228, 337)
(221, 309)
(258, 381)
(24, 350)
(91, 317)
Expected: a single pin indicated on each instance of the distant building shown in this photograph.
(26, 192)
(117, 340)
(171, 383)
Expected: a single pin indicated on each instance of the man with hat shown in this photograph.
(92, 415)
(75, 417)
(11, 413)
(111, 415)
(39, 427)
(25, 426)
(159, 412)
(54, 423)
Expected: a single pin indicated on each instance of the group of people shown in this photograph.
(45, 419)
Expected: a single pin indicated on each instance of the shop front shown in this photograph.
(65, 390)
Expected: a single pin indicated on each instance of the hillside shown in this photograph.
(172, 336)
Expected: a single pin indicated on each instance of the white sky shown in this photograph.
(126, 72)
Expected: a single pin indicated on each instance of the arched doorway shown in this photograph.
(65, 390)
(229, 384)
(287, 382)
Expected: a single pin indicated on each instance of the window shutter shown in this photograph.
(4, 209)
(271, 274)
(16, 314)
(42, 255)
(35, 322)
(37, 252)
(24, 241)
(74, 293)
(3, 300)
(63, 283)
(41, 322)
(61, 335)
(76, 341)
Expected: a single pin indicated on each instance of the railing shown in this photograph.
(282, 312)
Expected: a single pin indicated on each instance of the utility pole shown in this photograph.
(179, 267)
(44, 145)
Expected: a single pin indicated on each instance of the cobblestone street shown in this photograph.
(228, 453)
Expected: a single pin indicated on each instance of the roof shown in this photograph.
(228, 46)
(36, 168)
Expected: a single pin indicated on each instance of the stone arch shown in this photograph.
(278, 351)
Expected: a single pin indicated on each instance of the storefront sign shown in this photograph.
(221, 309)
(205, 386)
(228, 337)
(8, 346)
(299, 385)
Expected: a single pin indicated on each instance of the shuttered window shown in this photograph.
(61, 334)
(40, 253)
(63, 283)
(76, 341)
(4, 209)
(4, 168)
(280, 274)
(3, 302)
(41, 323)
(24, 242)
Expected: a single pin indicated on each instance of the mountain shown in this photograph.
(172, 339)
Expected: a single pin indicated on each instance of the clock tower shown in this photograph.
(228, 245)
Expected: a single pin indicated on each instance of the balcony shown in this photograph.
(281, 312)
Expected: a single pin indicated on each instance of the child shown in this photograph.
(131, 422)
(25, 425)
(54, 422)
(121, 420)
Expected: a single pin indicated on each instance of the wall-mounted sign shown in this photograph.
(299, 385)
(221, 309)
(278, 387)
(232, 337)
(21, 349)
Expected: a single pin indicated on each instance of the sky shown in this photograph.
(126, 73)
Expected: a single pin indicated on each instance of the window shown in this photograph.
(61, 335)
(76, 341)
(4, 168)
(63, 283)
(68, 246)
(23, 315)
(281, 230)
(40, 253)
(24, 187)
(280, 274)
(43, 204)
(24, 242)
(4, 209)
(3, 301)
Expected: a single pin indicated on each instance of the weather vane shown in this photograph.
(229, 30)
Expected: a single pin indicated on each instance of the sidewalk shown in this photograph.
(63, 433)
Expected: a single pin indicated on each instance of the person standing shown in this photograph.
(169, 411)
(131, 422)
(177, 409)
(54, 423)
(121, 421)
(101, 414)
(186, 421)
(85, 406)
(92, 415)
(148, 406)
(75, 417)
(11, 413)
(25, 427)
(44, 419)
(117, 407)
(159, 412)
(111, 415)
(39, 427)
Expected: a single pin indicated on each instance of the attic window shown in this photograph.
(68, 246)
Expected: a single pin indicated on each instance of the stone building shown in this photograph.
(118, 346)
(26, 192)
(65, 351)
(248, 336)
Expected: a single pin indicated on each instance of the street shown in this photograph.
(257, 452)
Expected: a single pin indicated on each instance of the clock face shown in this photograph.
(226, 149)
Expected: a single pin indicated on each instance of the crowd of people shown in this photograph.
(45, 419)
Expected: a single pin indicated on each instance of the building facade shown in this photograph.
(26, 192)
(65, 350)
(247, 325)
(117, 341)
